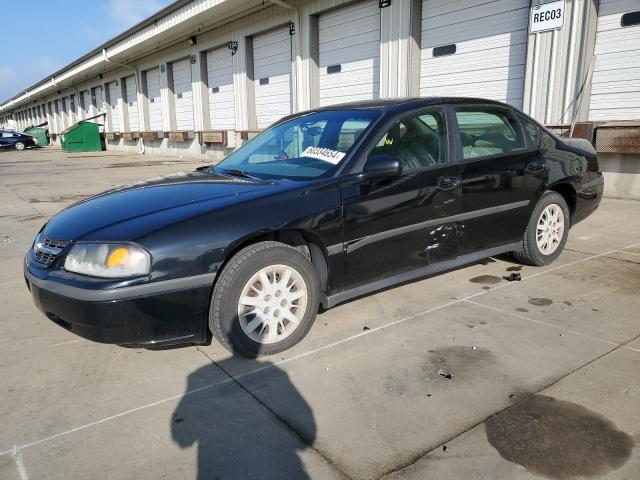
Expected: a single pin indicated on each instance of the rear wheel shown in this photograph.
(547, 231)
(19, 146)
(265, 300)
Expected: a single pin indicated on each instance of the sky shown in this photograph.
(47, 35)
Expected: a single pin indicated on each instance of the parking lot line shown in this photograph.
(546, 324)
(320, 349)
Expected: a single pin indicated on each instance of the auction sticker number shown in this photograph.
(326, 154)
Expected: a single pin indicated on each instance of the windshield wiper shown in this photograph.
(236, 172)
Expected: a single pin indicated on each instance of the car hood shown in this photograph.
(163, 199)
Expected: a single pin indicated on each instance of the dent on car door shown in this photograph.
(398, 222)
(502, 174)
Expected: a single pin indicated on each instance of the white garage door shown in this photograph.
(86, 104)
(64, 114)
(220, 83)
(272, 73)
(114, 115)
(350, 54)
(98, 98)
(181, 71)
(131, 97)
(490, 39)
(153, 94)
(615, 87)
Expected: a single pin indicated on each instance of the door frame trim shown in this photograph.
(340, 297)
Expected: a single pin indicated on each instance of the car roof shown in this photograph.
(398, 105)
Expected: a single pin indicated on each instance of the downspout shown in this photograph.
(136, 74)
(298, 61)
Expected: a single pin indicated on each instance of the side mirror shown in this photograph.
(383, 164)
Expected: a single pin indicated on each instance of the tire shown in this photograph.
(19, 146)
(272, 329)
(540, 253)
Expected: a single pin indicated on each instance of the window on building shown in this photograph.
(419, 140)
(444, 50)
(485, 132)
(630, 19)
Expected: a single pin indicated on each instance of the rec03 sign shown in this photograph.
(547, 16)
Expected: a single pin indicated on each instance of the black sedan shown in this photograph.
(322, 207)
(11, 139)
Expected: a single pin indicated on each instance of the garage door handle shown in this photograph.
(448, 183)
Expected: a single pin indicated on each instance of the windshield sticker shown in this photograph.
(325, 154)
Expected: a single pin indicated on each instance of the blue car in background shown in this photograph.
(17, 140)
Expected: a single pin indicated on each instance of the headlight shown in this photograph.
(107, 260)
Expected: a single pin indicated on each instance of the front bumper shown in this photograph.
(152, 314)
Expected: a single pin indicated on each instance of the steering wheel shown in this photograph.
(282, 156)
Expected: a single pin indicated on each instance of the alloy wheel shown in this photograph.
(272, 304)
(550, 229)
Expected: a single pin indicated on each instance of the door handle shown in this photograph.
(535, 166)
(448, 183)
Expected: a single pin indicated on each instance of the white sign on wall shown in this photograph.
(547, 16)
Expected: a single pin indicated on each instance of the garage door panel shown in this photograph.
(615, 88)
(355, 27)
(113, 104)
(153, 95)
(132, 103)
(220, 76)
(479, 29)
(463, 11)
(366, 44)
(181, 71)
(490, 57)
(363, 53)
(272, 61)
(350, 37)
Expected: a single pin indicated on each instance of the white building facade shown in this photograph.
(201, 76)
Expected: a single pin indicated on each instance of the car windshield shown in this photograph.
(304, 147)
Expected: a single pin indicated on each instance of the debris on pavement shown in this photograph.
(514, 277)
(444, 372)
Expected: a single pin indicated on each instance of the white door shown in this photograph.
(153, 96)
(99, 99)
(349, 41)
(272, 73)
(490, 42)
(181, 71)
(86, 104)
(615, 87)
(220, 84)
(114, 111)
(131, 97)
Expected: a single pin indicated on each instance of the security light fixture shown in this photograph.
(193, 40)
(233, 46)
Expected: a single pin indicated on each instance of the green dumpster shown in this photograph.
(81, 137)
(39, 134)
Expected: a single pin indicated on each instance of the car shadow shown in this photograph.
(237, 436)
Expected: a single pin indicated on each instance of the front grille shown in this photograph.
(46, 250)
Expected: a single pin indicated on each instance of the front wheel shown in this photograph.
(547, 231)
(265, 300)
(19, 146)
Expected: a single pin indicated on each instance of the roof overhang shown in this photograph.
(179, 21)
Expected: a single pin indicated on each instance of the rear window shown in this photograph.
(488, 132)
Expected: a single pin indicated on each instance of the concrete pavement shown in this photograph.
(545, 377)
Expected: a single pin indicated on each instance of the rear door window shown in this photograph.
(488, 132)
